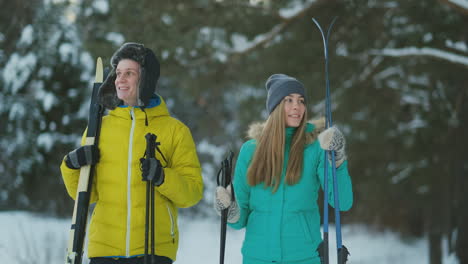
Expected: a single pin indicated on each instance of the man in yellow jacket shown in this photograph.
(117, 228)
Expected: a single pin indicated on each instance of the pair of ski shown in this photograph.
(226, 177)
(83, 194)
(342, 251)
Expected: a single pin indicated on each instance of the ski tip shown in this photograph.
(99, 71)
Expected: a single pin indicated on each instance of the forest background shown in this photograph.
(398, 75)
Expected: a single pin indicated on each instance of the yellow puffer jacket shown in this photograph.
(117, 225)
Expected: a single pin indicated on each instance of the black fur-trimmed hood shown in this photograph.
(149, 75)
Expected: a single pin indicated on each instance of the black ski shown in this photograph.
(83, 193)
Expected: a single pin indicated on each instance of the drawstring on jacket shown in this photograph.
(146, 116)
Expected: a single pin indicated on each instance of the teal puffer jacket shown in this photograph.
(285, 225)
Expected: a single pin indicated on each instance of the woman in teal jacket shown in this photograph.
(277, 178)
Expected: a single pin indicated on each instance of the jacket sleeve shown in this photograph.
(183, 183)
(241, 186)
(345, 192)
(71, 178)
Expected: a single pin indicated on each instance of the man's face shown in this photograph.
(126, 82)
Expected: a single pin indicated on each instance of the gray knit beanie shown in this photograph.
(280, 85)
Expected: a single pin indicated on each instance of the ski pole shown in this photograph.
(342, 252)
(83, 192)
(150, 210)
(226, 180)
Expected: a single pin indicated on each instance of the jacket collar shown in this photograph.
(154, 109)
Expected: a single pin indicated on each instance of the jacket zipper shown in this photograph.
(129, 181)
(172, 223)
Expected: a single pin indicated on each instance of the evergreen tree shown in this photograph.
(43, 88)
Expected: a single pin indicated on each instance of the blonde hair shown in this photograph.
(267, 162)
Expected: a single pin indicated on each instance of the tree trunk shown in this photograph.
(462, 237)
(435, 248)
(435, 215)
(461, 172)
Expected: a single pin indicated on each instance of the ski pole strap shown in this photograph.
(224, 177)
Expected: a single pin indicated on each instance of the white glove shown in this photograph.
(223, 201)
(333, 139)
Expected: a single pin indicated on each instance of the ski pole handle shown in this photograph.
(227, 170)
(150, 145)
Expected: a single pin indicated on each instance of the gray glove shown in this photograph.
(82, 156)
(223, 201)
(333, 139)
(152, 170)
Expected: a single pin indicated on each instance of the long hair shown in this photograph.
(267, 162)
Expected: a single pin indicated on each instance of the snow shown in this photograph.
(458, 45)
(460, 3)
(102, 6)
(215, 37)
(218, 152)
(17, 70)
(239, 42)
(67, 52)
(17, 111)
(341, 49)
(416, 123)
(26, 36)
(294, 8)
(116, 38)
(427, 37)
(87, 59)
(46, 140)
(25, 237)
(167, 19)
(48, 98)
(403, 174)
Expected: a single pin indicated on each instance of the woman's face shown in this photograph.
(294, 109)
(126, 82)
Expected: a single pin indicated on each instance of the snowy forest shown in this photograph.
(398, 79)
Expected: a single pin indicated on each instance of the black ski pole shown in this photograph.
(150, 210)
(225, 173)
(83, 193)
(342, 252)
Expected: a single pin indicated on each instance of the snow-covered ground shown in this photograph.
(25, 238)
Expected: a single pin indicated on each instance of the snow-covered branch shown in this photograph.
(241, 45)
(430, 52)
(287, 17)
(459, 5)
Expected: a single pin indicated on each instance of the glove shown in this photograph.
(333, 139)
(223, 201)
(82, 156)
(152, 170)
